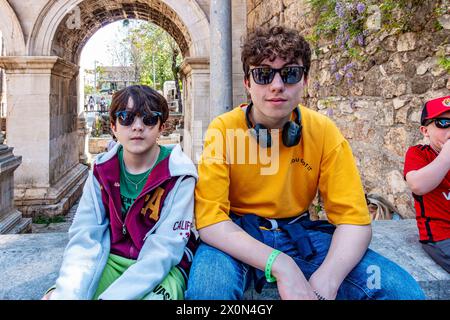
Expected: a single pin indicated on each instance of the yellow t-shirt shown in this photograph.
(237, 175)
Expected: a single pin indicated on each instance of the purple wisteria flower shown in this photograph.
(338, 76)
(333, 65)
(330, 112)
(339, 9)
(360, 39)
(360, 7)
(349, 66)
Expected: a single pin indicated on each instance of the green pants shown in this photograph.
(171, 288)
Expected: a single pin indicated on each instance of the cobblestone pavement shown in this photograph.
(56, 227)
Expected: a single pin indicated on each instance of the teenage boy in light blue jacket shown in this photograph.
(131, 236)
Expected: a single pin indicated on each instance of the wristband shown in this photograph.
(268, 269)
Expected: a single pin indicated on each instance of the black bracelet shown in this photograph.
(319, 297)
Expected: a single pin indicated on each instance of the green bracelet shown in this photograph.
(268, 269)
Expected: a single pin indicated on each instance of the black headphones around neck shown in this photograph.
(292, 130)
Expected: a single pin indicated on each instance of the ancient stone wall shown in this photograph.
(63, 121)
(379, 110)
(2, 90)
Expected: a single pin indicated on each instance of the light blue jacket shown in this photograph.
(88, 248)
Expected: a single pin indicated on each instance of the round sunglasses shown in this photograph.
(289, 74)
(126, 118)
(441, 123)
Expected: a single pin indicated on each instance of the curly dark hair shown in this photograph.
(145, 100)
(275, 42)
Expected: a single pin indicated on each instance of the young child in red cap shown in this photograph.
(427, 173)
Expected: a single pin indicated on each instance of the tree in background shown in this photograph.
(151, 51)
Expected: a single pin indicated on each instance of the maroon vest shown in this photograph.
(127, 236)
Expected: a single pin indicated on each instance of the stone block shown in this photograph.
(406, 42)
(98, 145)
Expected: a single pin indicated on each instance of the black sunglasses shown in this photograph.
(289, 75)
(126, 118)
(441, 123)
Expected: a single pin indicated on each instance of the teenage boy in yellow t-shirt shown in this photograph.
(260, 169)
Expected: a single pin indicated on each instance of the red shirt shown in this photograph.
(433, 208)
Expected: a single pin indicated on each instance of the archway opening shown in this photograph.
(44, 89)
(124, 53)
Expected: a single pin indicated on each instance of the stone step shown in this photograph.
(9, 222)
(24, 226)
(30, 262)
(13, 223)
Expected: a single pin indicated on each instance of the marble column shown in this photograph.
(43, 128)
(221, 92)
(196, 84)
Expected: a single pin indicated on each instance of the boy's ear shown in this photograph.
(113, 128)
(247, 83)
(424, 131)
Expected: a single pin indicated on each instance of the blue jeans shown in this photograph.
(215, 275)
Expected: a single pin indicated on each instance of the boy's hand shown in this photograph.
(445, 151)
(291, 283)
(323, 285)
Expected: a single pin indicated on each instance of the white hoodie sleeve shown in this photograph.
(163, 248)
(87, 249)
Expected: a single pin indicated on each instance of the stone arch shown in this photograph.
(13, 37)
(43, 81)
(183, 19)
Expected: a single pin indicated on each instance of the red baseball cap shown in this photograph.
(435, 108)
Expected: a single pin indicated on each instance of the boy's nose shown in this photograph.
(137, 123)
(277, 83)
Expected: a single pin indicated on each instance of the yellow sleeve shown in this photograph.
(340, 184)
(212, 203)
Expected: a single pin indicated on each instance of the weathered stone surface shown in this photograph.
(401, 115)
(393, 86)
(422, 84)
(406, 42)
(426, 65)
(445, 21)
(390, 43)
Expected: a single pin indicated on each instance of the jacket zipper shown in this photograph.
(124, 228)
